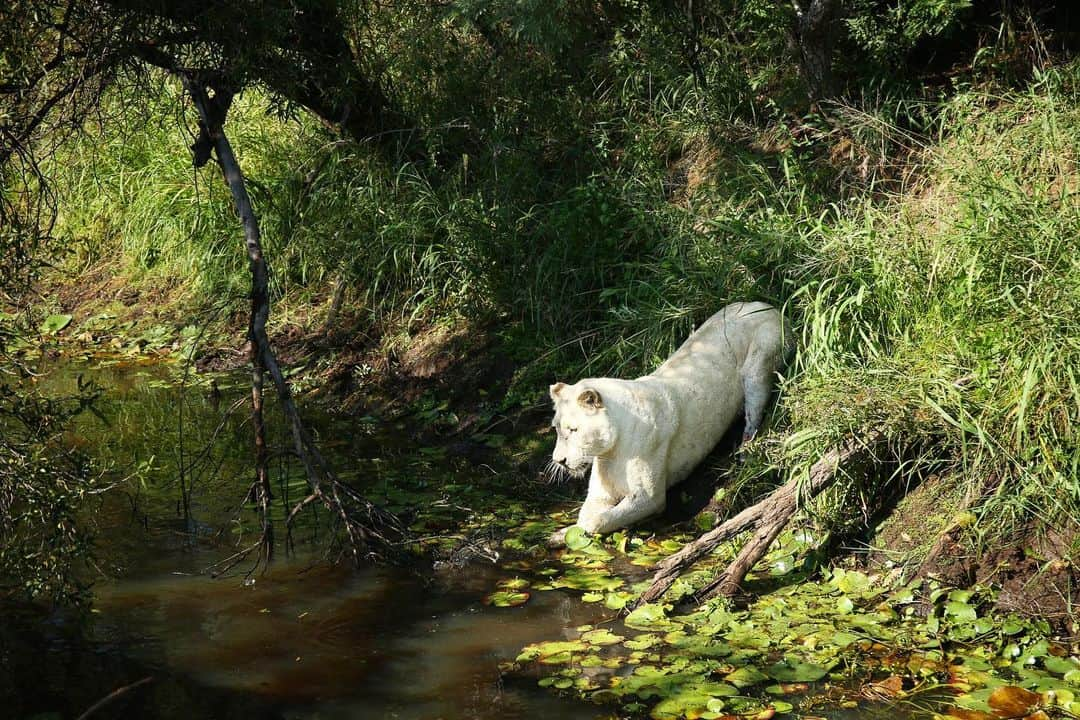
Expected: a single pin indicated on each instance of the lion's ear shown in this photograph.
(590, 400)
(556, 389)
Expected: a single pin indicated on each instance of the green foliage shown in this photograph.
(948, 313)
(889, 31)
(44, 490)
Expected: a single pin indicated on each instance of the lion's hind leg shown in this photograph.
(758, 374)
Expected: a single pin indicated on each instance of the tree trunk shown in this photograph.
(814, 24)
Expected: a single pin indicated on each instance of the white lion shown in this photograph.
(642, 436)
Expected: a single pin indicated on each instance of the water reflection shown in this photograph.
(301, 641)
(330, 642)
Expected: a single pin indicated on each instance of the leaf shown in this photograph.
(551, 653)
(506, 598)
(1061, 666)
(746, 676)
(577, 538)
(617, 600)
(642, 642)
(55, 323)
(788, 670)
(1011, 701)
(649, 616)
(601, 637)
(960, 610)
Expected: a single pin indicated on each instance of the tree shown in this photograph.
(814, 22)
(60, 57)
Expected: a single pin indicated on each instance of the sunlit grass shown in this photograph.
(940, 309)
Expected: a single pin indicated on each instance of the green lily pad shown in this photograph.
(960, 610)
(788, 670)
(618, 599)
(577, 538)
(506, 598)
(649, 617)
(1061, 666)
(746, 676)
(601, 637)
(55, 323)
(551, 653)
(587, 579)
(642, 642)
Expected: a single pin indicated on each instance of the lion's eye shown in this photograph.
(571, 429)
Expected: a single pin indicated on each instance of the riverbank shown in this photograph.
(853, 640)
(938, 313)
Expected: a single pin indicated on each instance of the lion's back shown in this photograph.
(703, 379)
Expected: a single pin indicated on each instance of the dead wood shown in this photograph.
(767, 518)
(370, 531)
(118, 692)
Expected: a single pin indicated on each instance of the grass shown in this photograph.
(935, 297)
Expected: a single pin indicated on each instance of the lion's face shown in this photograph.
(583, 428)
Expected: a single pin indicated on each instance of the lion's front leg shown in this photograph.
(648, 496)
(597, 502)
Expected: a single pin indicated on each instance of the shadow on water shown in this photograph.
(303, 640)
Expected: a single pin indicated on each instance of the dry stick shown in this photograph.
(768, 517)
(767, 531)
(262, 474)
(113, 695)
(380, 527)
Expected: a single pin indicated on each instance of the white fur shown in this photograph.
(642, 436)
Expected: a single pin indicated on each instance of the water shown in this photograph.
(304, 640)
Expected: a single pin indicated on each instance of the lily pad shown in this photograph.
(601, 637)
(55, 323)
(960, 610)
(789, 670)
(746, 676)
(577, 538)
(1061, 666)
(506, 598)
(649, 617)
(552, 653)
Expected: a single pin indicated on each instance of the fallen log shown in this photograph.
(767, 518)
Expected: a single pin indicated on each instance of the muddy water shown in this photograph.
(305, 640)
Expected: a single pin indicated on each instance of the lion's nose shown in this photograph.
(561, 461)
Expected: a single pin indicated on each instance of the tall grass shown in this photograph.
(949, 314)
(941, 311)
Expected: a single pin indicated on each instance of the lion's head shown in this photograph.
(583, 428)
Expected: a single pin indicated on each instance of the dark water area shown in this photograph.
(306, 639)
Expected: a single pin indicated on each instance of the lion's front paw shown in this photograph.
(558, 538)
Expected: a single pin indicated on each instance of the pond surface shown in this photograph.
(304, 640)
